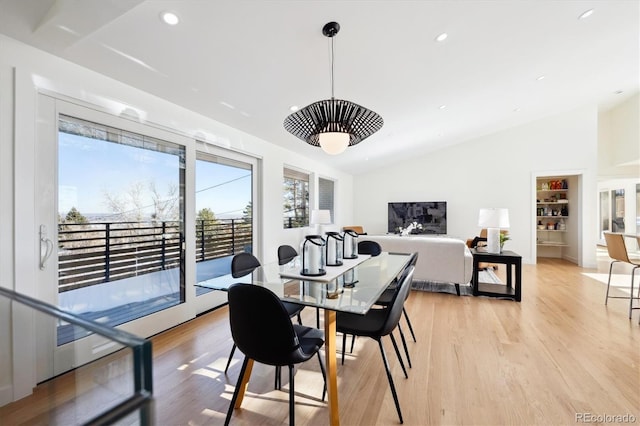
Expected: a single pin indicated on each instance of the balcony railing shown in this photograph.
(99, 252)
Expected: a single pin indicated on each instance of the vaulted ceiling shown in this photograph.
(245, 63)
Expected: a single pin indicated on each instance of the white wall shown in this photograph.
(493, 171)
(619, 155)
(24, 72)
(619, 141)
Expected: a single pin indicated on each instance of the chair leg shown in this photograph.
(318, 318)
(299, 319)
(237, 390)
(457, 289)
(344, 343)
(395, 347)
(292, 402)
(633, 273)
(278, 378)
(324, 376)
(609, 282)
(390, 378)
(233, 349)
(404, 344)
(406, 317)
(353, 340)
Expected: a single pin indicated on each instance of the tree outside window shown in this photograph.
(296, 198)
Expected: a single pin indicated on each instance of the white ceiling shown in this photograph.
(244, 63)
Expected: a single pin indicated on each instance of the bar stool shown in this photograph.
(618, 252)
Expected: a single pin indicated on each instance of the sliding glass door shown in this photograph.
(111, 226)
(224, 221)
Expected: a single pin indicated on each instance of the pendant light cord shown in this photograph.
(332, 68)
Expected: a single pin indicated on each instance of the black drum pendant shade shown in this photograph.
(333, 124)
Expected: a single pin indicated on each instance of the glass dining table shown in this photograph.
(353, 287)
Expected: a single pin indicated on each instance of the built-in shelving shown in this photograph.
(552, 212)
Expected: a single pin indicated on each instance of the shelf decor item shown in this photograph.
(493, 219)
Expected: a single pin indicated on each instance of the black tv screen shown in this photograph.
(432, 215)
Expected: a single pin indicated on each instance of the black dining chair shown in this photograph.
(364, 247)
(377, 323)
(262, 329)
(374, 249)
(286, 254)
(386, 298)
(242, 264)
(369, 247)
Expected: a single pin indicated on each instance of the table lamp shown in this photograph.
(319, 218)
(493, 219)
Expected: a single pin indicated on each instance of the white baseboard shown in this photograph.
(6, 394)
(570, 259)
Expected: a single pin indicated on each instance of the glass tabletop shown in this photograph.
(348, 289)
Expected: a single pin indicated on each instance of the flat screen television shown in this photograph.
(432, 215)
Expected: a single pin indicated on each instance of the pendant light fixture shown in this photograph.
(333, 124)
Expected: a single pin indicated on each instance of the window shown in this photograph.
(604, 213)
(617, 211)
(638, 210)
(296, 198)
(325, 196)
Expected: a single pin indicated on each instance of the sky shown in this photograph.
(91, 170)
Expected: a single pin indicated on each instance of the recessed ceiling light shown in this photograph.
(442, 37)
(169, 18)
(228, 105)
(443, 106)
(540, 77)
(618, 92)
(586, 14)
(516, 109)
(294, 108)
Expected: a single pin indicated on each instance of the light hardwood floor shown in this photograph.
(477, 361)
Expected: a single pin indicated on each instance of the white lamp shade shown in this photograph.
(493, 218)
(320, 217)
(333, 143)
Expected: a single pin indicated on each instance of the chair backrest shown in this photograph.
(397, 302)
(413, 259)
(243, 263)
(260, 325)
(369, 247)
(356, 229)
(616, 247)
(286, 254)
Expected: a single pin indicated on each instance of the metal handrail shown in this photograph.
(141, 354)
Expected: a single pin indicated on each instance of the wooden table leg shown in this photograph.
(332, 366)
(245, 383)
